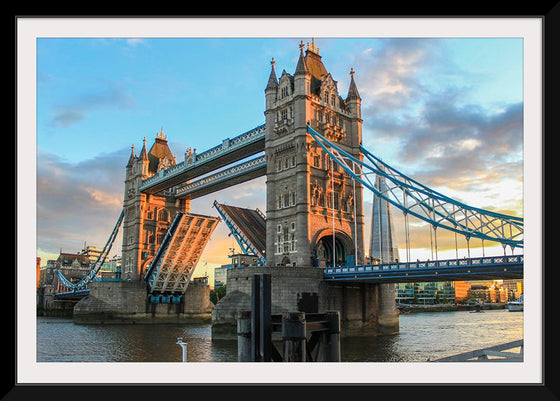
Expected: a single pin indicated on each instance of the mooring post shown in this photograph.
(244, 336)
(261, 338)
(332, 337)
(294, 336)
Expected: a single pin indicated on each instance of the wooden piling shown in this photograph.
(330, 344)
(255, 327)
(244, 336)
(261, 335)
(294, 336)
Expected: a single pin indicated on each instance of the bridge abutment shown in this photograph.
(364, 308)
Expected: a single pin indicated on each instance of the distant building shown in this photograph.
(220, 275)
(238, 260)
(73, 265)
(488, 291)
(514, 288)
(38, 278)
(425, 293)
(91, 252)
(457, 291)
(461, 290)
(111, 269)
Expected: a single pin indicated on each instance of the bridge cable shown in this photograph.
(355, 220)
(423, 208)
(332, 196)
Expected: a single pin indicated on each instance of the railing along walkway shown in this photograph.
(495, 353)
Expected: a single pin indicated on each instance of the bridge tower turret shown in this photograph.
(314, 211)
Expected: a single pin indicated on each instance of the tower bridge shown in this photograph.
(311, 237)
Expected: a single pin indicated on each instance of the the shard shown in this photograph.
(383, 245)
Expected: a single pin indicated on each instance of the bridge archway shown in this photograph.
(323, 249)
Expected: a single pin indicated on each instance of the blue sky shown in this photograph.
(447, 112)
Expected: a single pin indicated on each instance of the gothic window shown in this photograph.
(149, 237)
(159, 238)
(317, 161)
(286, 199)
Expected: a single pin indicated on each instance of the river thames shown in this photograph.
(422, 335)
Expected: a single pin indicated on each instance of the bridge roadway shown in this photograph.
(482, 268)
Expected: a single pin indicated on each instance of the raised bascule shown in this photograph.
(310, 240)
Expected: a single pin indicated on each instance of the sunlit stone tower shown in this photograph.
(147, 217)
(314, 210)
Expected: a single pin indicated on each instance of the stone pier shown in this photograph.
(365, 309)
(126, 303)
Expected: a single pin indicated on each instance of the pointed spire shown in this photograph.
(132, 157)
(312, 48)
(272, 81)
(160, 135)
(143, 152)
(353, 89)
(301, 67)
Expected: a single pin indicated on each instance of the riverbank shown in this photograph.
(412, 308)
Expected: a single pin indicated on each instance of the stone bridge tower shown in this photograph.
(314, 210)
(147, 217)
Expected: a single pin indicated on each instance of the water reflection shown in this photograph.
(423, 335)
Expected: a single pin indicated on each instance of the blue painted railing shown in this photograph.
(435, 269)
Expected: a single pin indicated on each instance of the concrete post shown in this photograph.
(294, 336)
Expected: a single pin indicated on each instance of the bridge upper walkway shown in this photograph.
(228, 152)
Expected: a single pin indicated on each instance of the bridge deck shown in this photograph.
(486, 268)
(251, 223)
(171, 269)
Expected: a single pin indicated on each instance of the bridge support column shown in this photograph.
(388, 314)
